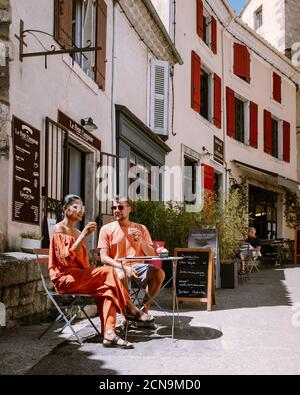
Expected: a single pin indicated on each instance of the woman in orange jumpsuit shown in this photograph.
(71, 272)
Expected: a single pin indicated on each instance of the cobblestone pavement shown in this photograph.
(253, 329)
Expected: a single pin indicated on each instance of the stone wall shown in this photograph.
(21, 288)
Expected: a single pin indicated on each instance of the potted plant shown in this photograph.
(30, 241)
(232, 228)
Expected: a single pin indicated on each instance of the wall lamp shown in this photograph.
(89, 124)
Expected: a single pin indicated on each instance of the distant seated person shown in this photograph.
(251, 248)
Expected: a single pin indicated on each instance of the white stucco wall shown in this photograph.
(194, 132)
(273, 28)
(36, 92)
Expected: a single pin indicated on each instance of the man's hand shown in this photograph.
(130, 272)
(137, 235)
(89, 229)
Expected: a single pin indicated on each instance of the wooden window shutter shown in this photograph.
(214, 46)
(230, 104)
(241, 66)
(277, 87)
(253, 125)
(209, 178)
(159, 111)
(217, 101)
(196, 81)
(63, 13)
(101, 42)
(200, 26)
(267, 132)
(286, 141)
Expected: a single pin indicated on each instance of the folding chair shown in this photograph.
(252, 262)
(63, 302)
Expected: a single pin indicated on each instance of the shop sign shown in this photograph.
(78, 130)
(26, 172)
(218, 150)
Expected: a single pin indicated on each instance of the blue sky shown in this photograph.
(237, 5)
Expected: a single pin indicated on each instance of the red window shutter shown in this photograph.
(63, 13)
(214, 45)
(101, 42)
(268, 132)
(253, 125)
(200, 27)
(217, 101)
(286, 141)
(277, 87)
(230, 104)
(241, 66)
(196, 81)
(209, 178)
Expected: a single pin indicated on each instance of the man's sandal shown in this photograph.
(138, 317)
(115, 342)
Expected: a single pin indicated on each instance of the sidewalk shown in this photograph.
(252, 330)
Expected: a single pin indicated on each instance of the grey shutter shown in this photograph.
(159, 114)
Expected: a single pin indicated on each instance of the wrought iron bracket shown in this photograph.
(52, 51)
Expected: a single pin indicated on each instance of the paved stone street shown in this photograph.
(250, 331)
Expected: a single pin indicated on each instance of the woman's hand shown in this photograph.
(130, 272)
(89, 229)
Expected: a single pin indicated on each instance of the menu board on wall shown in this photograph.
(26, 173)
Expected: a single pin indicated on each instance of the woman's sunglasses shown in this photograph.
(78, 208)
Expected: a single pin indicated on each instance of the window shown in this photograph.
(239, 121)
(206, 30)
(80, 22)
(190, 186)
(206, 27)
(275, 130)
(83, 31)
(205, 93)
(258, 18)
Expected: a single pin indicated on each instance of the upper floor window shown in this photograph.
(242, 119)
(241, 64)
(277, 135)
(206, 26)
(275, 131)
(84, 24)
(258, 18)
(206, 92)
(80, 23)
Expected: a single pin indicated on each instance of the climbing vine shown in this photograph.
(292, 209)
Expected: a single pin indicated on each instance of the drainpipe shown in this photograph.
(113, 69)
(224, 108)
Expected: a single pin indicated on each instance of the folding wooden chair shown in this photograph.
(63, 303)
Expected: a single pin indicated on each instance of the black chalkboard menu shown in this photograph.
(194, 275)
(26, 173)
(297, 245)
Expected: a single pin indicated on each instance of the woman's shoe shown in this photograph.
(138, 317)
(116, 341)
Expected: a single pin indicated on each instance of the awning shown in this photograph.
(275, 178)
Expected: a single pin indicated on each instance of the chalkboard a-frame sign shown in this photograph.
(195, 276)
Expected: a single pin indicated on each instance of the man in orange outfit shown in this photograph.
(123, 238)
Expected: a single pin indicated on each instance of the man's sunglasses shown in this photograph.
(119, 207)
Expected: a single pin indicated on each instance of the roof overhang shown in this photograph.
(145, 20)
(268, 176)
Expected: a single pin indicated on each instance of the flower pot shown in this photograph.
(229, 275)
(28, 245)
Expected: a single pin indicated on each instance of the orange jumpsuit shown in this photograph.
(71, 272)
